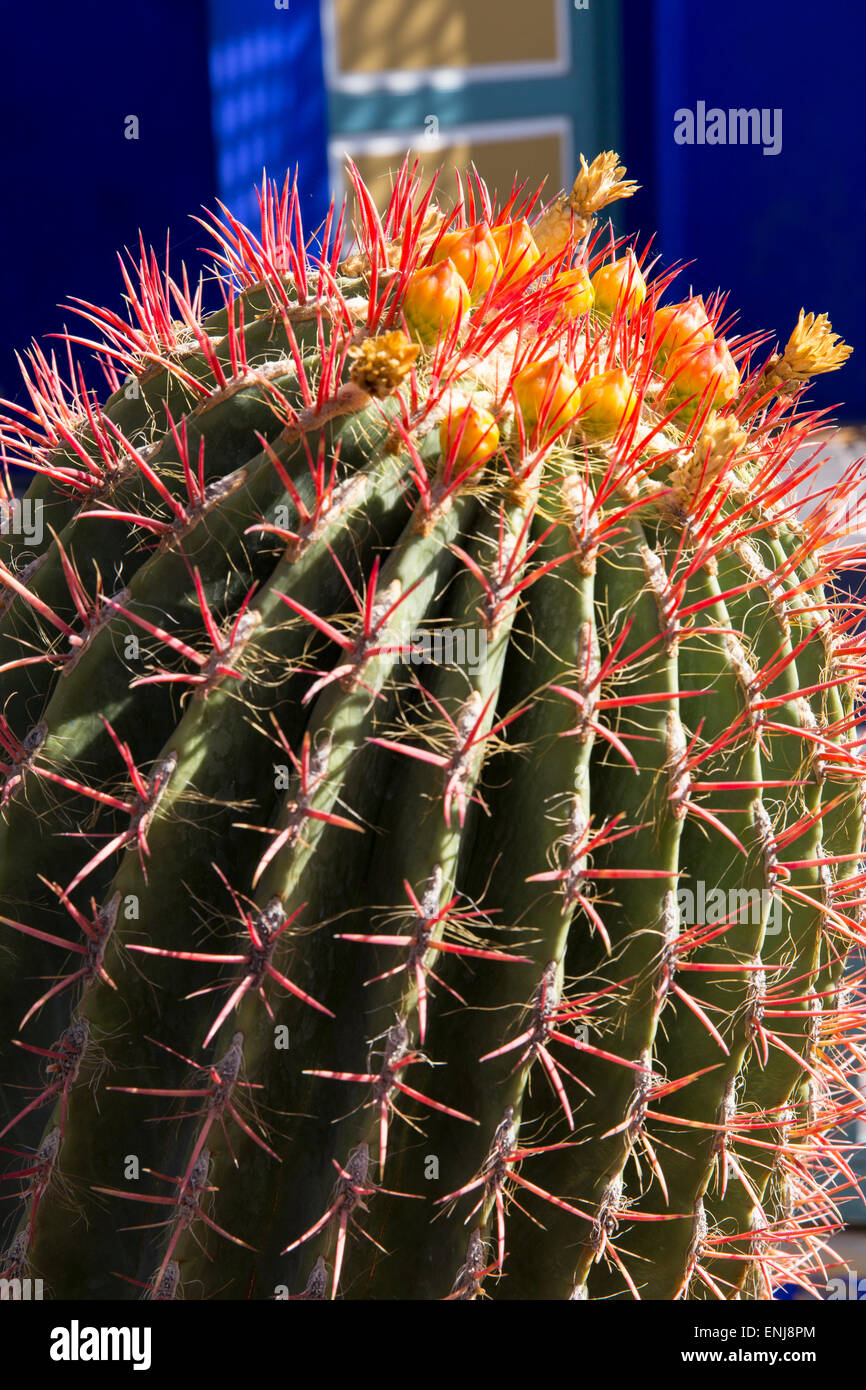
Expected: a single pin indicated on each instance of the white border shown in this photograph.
(481, 133)
(443, 79)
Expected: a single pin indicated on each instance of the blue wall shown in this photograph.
(220, 89)
(779, 231)
(76, 190)
(269, 104)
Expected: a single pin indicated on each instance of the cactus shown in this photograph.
(431, 814)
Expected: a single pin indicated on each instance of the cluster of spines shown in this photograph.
(638, 505)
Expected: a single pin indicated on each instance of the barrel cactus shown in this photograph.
(431, 810)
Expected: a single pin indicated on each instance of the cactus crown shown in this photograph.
(431, 786)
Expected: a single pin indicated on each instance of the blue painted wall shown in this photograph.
(75, 190)
(778, 231)
(269, 103)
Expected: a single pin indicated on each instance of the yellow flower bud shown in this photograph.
(516, 246)
(607, 403)
(546, 389)
(619, 281)
(577, 292)
(709, 368)
(677, 325)
(480, 438)
(435, 296)
(474, 255)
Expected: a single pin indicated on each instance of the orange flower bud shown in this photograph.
(435, 296)
(709, 367)
(480, 438)
(619, 281)
(546, 389)
(607, 402)
(474, 255)
(577, 292)
(516, 246)
(676, 325)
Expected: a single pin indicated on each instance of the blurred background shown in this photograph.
(116, 119)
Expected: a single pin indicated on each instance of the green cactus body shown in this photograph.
(431, 820)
